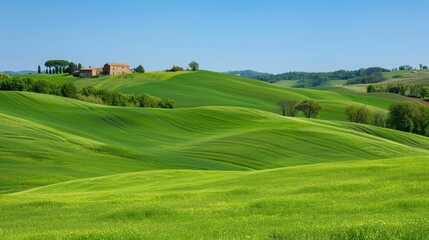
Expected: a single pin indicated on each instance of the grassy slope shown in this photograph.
(53, 139)
(331, 186)
(351, 200)
(398, 77)
(203, 88)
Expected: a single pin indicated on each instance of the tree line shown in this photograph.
(405, 116)
(89, 94)
(111, 98)
(313, 79)
(373, 78)
(408, 67)
(38, 86)
(59, 67)
(408, 90)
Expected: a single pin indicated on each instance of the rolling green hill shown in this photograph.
(204, 88)
(57, 138)
(224, 165)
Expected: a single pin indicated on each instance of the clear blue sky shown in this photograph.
(265, 35)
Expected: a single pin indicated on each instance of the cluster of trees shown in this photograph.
(175, 69)
(405, 116)
(409, 117)
(408, 67)
(309, 108)
(408, 90)
(312, 79)
(373, 78)
(139, 69)
(405, 67)
(118, 99)
(59, 67)
(37, 86)
(72, 67)
(361, 114)
(194, 66)
(87, 94)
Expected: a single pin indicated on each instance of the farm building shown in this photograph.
(116, 69)
(89, 72)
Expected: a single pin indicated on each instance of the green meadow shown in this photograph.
(223, 165)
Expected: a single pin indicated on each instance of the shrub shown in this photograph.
(358, 114)
(379, 119)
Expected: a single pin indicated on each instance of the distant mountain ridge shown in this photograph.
(23, 72)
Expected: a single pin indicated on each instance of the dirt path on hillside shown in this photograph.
(420, 101)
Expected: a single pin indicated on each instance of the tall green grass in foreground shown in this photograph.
(351, 200)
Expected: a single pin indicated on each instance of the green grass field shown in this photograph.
(398, 77)
(351, 200)
(204, 88)
(224, 165)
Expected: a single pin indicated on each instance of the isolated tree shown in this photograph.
(425, 67)
(421, 66)
(139, 69)
(358, 114)
(72, 68)
(194, 66)
(39, 70)
(310, 108)
(288, 107)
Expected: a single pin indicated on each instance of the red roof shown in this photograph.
(87, 69)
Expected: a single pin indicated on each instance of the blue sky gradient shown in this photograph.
(269, 36)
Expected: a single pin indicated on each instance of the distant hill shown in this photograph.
(311, 79)
(23, 72)
(204, 88)
(248, 73)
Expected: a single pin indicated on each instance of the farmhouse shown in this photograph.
(116, 69)
(89, 72)
(108, 69)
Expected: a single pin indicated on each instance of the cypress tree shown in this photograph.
(39, 70)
